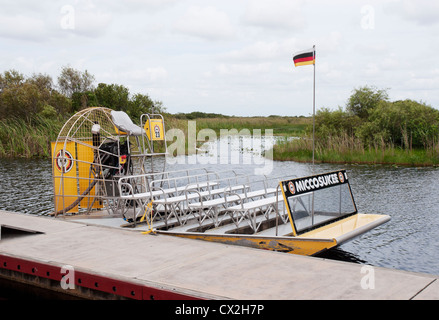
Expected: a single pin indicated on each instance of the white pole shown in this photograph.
(314, 107)
(313, 125)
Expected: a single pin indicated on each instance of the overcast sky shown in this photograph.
(231, 57)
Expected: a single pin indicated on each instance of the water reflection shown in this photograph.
(341, 255)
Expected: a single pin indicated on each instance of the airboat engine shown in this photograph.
(94, 149)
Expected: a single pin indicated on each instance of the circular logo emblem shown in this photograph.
(64, 161)
(291, 187)
(341, 177)
(157, 131)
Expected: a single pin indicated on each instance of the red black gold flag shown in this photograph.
(304, 58)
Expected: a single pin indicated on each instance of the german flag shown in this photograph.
(304, 58)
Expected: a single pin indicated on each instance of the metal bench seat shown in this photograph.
(255, 212)
(177, 206)
(255, 204)
(211, 209)
(193, 195)
(231, 198)
(163, 192)
(233, 227)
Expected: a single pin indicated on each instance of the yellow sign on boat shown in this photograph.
(154, 129)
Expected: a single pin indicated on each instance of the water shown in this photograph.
(409, 241)
(26, 186)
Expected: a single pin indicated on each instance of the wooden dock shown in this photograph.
(112, 263)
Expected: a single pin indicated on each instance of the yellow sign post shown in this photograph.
(154, 130)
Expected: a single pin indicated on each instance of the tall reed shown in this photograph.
(350, 149)
(27, 139)
(280, 125)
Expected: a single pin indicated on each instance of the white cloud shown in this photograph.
(261, 50)
(85, 19)
(22, 27)
(205, 22)
(422, 12)
(277, 14)
(48, 21)
(136, 6)
(227, 56)
(137, 78)
(247, 70)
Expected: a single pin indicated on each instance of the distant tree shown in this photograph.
(364, 99)
(42, 81)
(71, 81)
(141, 104)
(405, 123)
(25, 98)
(22, 100)
(199, 115)
(158, 107)
(10, 78)
(60, 103)
(82, 100)
(335, 123)
(37, 95)
(53, 102)
(112, 96)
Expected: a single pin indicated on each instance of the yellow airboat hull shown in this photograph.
(310, 243)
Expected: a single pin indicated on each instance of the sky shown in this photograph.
(231, 57)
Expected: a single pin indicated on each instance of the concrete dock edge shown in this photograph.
(108, 263)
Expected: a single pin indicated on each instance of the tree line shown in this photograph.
(38, 95)
(373, 120)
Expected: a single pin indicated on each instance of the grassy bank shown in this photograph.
(31, 139)
(371, 129)
(21, 138)
(281, 126)
(352, 151)
(289, 126)
(27, 139)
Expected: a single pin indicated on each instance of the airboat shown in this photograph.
(105, 172)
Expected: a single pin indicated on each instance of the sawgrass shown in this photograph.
(351, 150)
(20, 138)
(281, 126)
(31, 139)
(290, 126)
(27, 139)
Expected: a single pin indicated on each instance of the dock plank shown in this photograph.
(208, 270)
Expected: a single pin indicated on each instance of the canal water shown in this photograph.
(409, 241)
